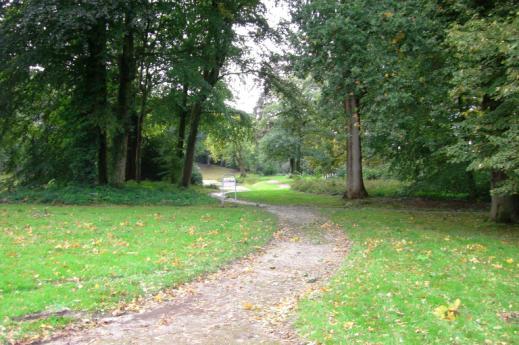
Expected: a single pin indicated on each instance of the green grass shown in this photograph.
(263, 190)
(266, 183)
(291, 197)
(403, 265)
(90, 258)
(145, 193)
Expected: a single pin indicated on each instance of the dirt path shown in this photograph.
(248, 302)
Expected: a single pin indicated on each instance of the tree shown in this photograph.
(485, 83)
(332, 42)
(232, 138)
(217, 47)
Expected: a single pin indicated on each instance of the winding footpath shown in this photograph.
(250, 301)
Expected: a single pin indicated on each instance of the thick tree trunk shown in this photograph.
(211, 77)
(134, 160)
(241, 163)
(182, 124)
(472, 187)
(297, 167)
(243, 172)
(138, 146)
(119, 149)
(102, 159)
(96, 92)
(132, 148)
(196, 114)
(504, 209)
(355, 183)
(292, 162)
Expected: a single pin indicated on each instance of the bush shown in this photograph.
(196, 176)
(144, 193)
(376, 173)
(319, 186)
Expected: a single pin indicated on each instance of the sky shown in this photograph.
(245, 88)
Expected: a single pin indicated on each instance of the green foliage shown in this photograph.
(144, 193)
(319, 186)
(101, 258)
(403, 266)
(196, 176)
(485, 83)
(231, 140)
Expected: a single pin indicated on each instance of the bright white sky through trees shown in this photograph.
(245, 88)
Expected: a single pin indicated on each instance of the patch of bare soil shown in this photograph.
(249, 302)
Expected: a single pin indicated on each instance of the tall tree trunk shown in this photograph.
(134, 160)
(138, 144)
(472, 187)
(241, 163)
(505, 208)
(119, 149)
(292, 162)
(102, 159)
(94, 95)
(182, 123)
(211, 77)
(355, 183)
(132, 148)
(196, 114)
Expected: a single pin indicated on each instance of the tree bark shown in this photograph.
(138, 143)
(504, 208)
(182, 124)
(355, 183)
(132, 148)
(211, 77)
(125, 100)
(96, 92)
(196, 114)
(292, 162)
(241, 163)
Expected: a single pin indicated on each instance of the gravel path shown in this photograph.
(248, 302)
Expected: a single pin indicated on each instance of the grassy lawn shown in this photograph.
(312, 192)
(291, 197)
(266, 183)
(92, 258)
(405, 271)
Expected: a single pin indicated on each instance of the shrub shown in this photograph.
(144, 193)
(196, 176)
(319, 186)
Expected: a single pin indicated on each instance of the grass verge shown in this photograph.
(97, 258)
(419, 277)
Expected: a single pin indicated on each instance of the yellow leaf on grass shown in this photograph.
(449, 313)
(510, 261)
(348, 325)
